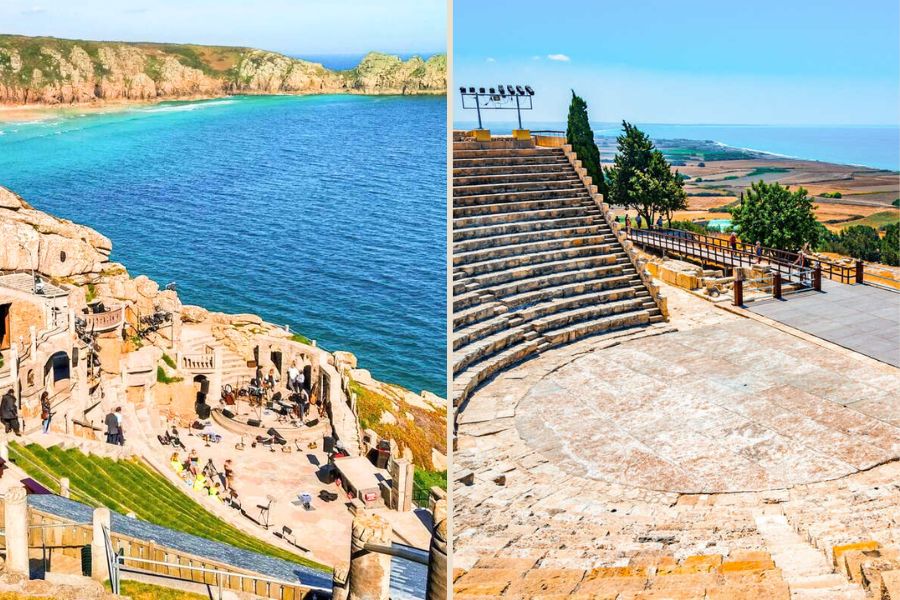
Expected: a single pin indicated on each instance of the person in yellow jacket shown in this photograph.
(176, 463)
(199, 482)
(214, 492)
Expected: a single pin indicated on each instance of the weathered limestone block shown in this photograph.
(193, 314)
(344, 359)
(370, 572)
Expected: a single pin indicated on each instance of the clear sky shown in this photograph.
(288, 26)
(702, 61)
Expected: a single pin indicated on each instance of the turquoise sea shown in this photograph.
(876, 146)
(323, 212)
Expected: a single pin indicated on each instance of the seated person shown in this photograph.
(176, 463)
(199, 482)
(214, 491)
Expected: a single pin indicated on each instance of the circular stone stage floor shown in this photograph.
(730, 406)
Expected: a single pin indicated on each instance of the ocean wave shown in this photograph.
(188, 107)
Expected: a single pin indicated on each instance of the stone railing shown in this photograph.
(105, 321)
(199, 362)
(619, 230)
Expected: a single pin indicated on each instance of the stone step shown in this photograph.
(558, 326)
(507, 207)
(527, 247)
(606, 275)
(506, 161)
(503, 152)
(500, 241)
(568, 328)
(535, 257)
(504, 178)
(495, 278)
(606, 302)
(465, 382)
(498, 203)
(496, 142)
(526, 215)
(488, 170)
(462, 193)
(531, 226)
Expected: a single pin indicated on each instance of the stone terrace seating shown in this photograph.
(740, 574)
(535, 264)
(856, 523)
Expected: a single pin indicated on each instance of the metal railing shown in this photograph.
(717, 251)
(548, 137)
(831, 269)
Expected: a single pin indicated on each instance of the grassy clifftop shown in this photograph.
(59, 71)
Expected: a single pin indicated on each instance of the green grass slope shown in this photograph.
(132, 486)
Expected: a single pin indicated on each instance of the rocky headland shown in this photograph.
(51, 71)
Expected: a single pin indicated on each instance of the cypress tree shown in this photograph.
(580, 135)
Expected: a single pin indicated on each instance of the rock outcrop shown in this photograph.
(33, 240)
(53, 71)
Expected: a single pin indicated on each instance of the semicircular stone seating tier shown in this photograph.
(535, 263)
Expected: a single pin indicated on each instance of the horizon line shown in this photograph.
(617, 123)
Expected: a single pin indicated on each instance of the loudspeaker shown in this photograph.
(254, 422)
(227, 413)
(204, 387)
(328, 444)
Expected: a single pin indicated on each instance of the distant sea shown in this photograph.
(342, 62)
(869, 146)
(327, 213)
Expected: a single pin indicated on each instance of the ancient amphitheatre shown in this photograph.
(619, 437)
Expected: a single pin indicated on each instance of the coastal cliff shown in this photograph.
(54, 71)
(76, 259)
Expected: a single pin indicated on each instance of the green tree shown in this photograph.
(642, 179)
(862, 242)
(776, 217)
(890, 245)
(580, 135)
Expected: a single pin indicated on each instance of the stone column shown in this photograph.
(16, 525)
(339, 582)
(4, 451)
(99, 569)
(402, 475)
(64, 487)
(370, 572)
(437, 556)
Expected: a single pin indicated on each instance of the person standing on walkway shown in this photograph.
(113, 429)
(638, 220)
(757, 249)
(46, 415)
(659, 222)
(628, 224)
(9, 412)
(732, 242)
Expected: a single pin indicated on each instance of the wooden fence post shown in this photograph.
(859, 271)
(776, 285)
(817, 277)
(738, 288)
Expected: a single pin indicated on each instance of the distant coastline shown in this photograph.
(875, 147)
(60, 72)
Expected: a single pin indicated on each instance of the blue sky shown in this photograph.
(703, 61)
(289, 26)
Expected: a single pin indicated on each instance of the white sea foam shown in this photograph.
(188, 107)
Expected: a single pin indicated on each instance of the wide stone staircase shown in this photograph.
(535, 264)
(234, 368)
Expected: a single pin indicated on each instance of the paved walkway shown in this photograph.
(863, 318)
